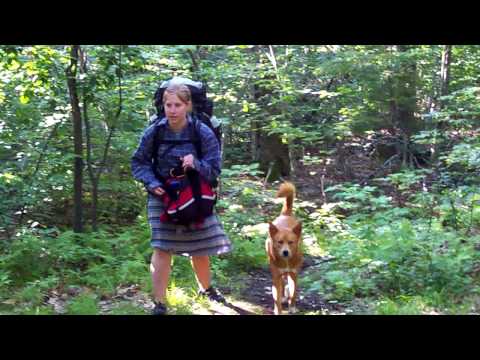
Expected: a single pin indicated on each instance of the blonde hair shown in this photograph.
(182, 92)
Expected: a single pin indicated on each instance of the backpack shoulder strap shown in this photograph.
(196, 136)
(157, 138)
(195, 139)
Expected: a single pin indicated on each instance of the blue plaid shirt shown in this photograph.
(142, 160)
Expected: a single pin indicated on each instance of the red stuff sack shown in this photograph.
(187, 199)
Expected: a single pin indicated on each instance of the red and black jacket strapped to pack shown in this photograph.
(188, 198)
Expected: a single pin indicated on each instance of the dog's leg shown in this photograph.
(286, 294)
(277, 291)
(292, 287)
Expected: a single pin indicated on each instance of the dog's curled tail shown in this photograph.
(287, 190)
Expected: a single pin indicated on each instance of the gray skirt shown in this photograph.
(209, 238)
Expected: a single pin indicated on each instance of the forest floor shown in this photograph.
(248, 293)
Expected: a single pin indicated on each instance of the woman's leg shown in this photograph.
(160, 269)
(201, 266)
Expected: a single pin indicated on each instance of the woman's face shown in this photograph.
(175, 109)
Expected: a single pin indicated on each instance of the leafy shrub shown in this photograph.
(84, 304)
(410, 306)
(127, 309)
(26, 260)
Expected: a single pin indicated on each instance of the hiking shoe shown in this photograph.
(159, 309)
(213, 295)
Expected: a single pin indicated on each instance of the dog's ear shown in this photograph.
(297, 230)
(272, 229)
(270, 251)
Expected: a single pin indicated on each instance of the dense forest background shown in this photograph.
(380, 140)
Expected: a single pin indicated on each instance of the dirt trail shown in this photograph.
(258, 294)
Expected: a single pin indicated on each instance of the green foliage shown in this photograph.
(99, 276)
(464, 154)
(99, 260)
(408, 239)
(247, 233)
(4, 279)
(127, 309)
(34, 292)
(179, 302)
(388, 253)
(409, 306)
(26, 259)
(84, 304)
(405, 179)
(132, 271)
(241, 170)
(31, 294)
(182, 273)
(354, 197)
(38, 310)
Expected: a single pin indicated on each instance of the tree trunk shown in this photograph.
(407, 95)
(255, 140)
(94, 204)
(403, 104)
(195, 69)
(445, 70)
(272, 154)
(91, 172)
(96, 175)
(274, 157)
(196, 57)
(296, 154)
(71, 73)
(436, 148)
(33, 177)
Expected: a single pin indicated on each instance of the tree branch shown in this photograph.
(37, 168)
(87, 135)
(117, 115)
(83, 70)
(194, 61)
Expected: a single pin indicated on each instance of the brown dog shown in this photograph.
(284, 251)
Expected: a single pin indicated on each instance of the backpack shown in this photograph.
(202, 106)
(188, 199)
(202, 113)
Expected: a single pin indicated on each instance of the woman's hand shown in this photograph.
(158, 191)
(187, 162)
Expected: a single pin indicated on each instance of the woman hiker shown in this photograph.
(202, 240)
